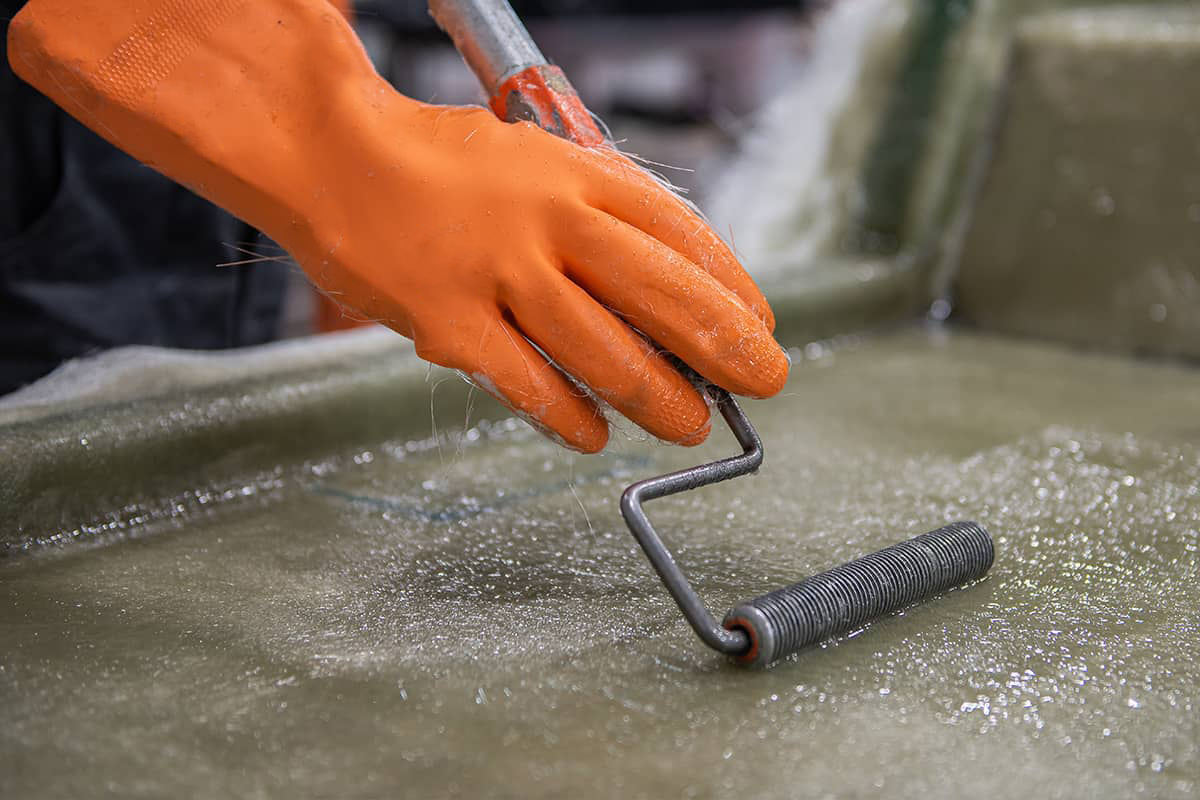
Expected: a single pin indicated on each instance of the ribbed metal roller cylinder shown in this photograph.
(847, 597)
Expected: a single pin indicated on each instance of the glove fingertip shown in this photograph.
(767, 316)
(696, 437)
(761, 370)
(589, 440)
(772, 373)
(575, 426)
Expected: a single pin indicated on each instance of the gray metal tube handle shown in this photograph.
(489, 36)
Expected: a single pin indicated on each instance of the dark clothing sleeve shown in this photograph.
(98, 251)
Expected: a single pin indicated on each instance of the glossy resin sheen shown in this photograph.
(468, 616)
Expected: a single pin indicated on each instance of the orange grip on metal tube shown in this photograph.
(542, 95)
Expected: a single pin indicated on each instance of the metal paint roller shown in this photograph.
(522, 85)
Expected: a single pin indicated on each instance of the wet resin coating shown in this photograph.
(469, 616)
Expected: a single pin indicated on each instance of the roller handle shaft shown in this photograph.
(520, 83)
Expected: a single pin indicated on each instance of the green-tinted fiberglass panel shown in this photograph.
(1087, 225)
(473, 619)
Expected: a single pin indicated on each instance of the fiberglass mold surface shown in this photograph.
(469, 616)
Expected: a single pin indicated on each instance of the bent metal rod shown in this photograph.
(522, 85)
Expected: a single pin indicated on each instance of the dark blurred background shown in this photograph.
(675, 81)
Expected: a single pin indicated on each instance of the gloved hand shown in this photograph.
(476, 238)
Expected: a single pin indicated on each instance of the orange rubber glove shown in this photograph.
(476, 238)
